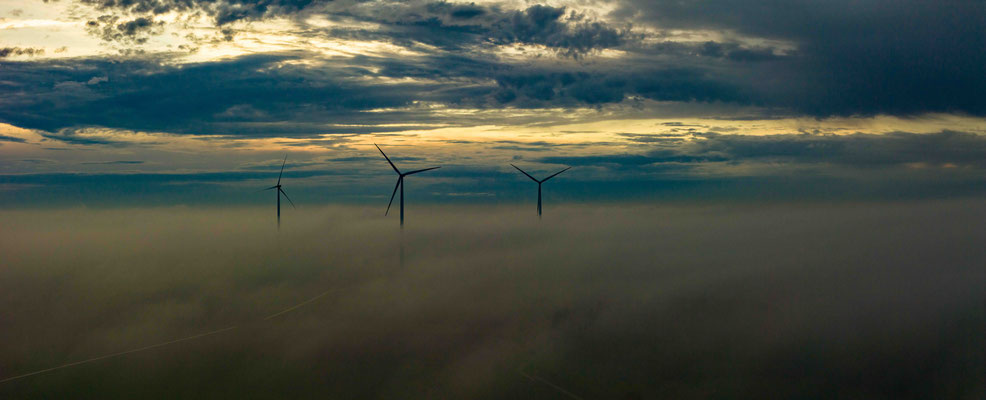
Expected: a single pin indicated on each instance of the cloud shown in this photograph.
(718, 166)
(708, 166)
(804, 58)
(242, 96)
(270, 95)
(20, 51)
(546, 88)
(119, 162)
(5, 138)
(222, 11)
(540, 24)
(630, 160)
(112, 28)
(942, 149)
(852, 57)
(735, 52)
(946, 148)
(449, 25)
(831, 300)
(71, 137)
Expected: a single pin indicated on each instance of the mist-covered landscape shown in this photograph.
(787, 300)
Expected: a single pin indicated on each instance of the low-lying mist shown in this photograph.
(852, 300)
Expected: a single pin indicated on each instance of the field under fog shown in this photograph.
(855, 300)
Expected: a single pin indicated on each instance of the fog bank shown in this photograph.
(855, 300)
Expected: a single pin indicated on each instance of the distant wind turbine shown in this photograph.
(400, 183)
(280, 192)
(539, 183)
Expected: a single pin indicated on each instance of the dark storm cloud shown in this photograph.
(136, 31)
(246, 96)
(20, 51)
(441, 23)
(858, 58)
(845, 57)
(547, 88)
(735, 52)
(814, 79)
(862, 69)
(852, 57)
(264, 95)
(465, 27)
(540, 24)
(222, 11)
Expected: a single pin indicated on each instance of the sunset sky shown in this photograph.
(197, 101)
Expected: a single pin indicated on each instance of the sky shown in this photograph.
(191, 102)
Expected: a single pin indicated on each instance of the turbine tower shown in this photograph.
(539, 183)
(400, 183)
(280, 192)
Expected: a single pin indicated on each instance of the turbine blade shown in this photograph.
(286, 197)
(272, 187)
(525, 173)
(556, 173)
(421, 170)
(399, 180)
(388, 160)
(282, 169)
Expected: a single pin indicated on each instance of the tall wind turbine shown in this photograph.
(280, 192)
(539, 183)
(400, 183)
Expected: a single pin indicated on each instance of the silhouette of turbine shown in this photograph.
(539, 183)
(280, 192)
(400, 183)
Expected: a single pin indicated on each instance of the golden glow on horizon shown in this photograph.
(483, 145)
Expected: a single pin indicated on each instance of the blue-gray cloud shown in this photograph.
(222, 11)
(117, 162)
(881, 58)
(259, 95)
(896, 165)
(208, 98)
(5, 138)
(853, 57)
(946, 148)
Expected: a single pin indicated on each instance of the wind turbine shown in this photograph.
(400, 183)
(280, 192)
(539, 183)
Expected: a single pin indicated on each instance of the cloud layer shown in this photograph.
(752, 301)
(317, 76)
(800, 58)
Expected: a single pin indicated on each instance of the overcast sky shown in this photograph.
(191, 101)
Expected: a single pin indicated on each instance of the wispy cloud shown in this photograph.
(119, 162)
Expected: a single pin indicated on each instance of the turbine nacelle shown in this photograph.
(539, 182)
(280, 192)
(400, 183)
